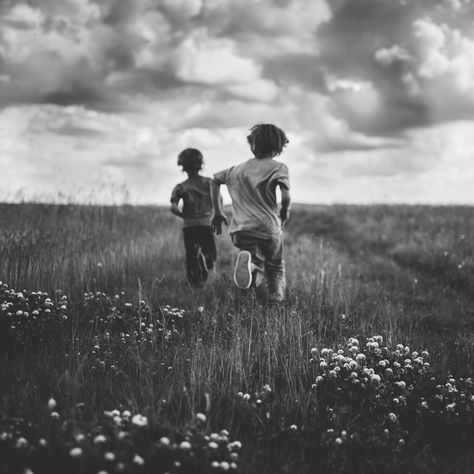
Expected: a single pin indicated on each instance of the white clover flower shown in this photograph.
(100, 439)
(246, 396)
(185, 445)
(322, 365)
(165, 441)
(401, 384)
(109, 456)
(400, 347)
(392, 417)
(139, 420)
(75, 452)
(360, 358)
(325, 352)
(52, 404)
(201, 417)
(267, 388)
(212, 445)
(375, 378)
(54, 415)
(215, 464)
(338, 441)
(79, 437)
(21, 442)
(234, 446)
(126, 414)
(314, 351)
(138, 460)
(293, 427)
(451, 406)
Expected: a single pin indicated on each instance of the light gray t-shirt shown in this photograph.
(196, 196)
(252, 187)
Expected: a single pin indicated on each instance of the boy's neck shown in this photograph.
(192, 174)
(262, 157)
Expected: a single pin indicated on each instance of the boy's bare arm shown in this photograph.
(175, 209)
(285, 205)
(219, 217)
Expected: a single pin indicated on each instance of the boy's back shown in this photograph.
(197, 205)
(252, 187)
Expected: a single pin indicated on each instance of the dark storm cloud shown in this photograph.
(377, 42)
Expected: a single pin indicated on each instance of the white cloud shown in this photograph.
(388, 56)
(208, 60)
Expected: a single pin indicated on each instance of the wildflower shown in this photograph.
(52, 404)
(21, 443)
(200, 309)
(215, 464)
(338, 441)
(139, 420)
(225, 466)
(376, 379)
(267, 388)
(185, 445)
(234, 446)
(201, 417)
(246, 396)
(100, 439)
(165, 441)
(54, 415)
(212, 445)
(451, 406)
(109, 456)
(392, 417)
(75, 452)
(293, 427)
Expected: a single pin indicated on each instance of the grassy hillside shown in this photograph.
(127, 332)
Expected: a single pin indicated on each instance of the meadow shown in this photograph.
(110, 362)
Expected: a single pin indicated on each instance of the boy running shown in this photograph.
(256, 227)
(196, 212)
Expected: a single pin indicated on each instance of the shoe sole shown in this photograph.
(243, 270)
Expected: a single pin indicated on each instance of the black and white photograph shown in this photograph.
(236, 236)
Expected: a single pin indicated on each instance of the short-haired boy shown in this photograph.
(257, 222)
(196, 212)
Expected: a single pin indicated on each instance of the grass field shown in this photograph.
(122, 367)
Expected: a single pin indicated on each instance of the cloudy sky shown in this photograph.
(97, 97)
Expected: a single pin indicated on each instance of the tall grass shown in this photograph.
(351, 271)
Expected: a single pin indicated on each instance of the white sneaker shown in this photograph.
(243, 270)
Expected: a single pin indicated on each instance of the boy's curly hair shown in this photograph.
(266, 140)
(190, 159)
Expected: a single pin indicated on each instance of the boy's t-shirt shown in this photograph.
(196, 196)
(252, 187)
